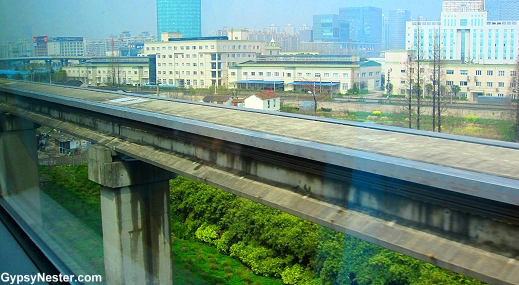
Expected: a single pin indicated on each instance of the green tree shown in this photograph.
(3, 76)
(355, 89)
(59, 76)
(428, 89)
(17, 76)
(455, 89)
(31, 69)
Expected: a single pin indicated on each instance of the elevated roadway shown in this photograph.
(449, 200)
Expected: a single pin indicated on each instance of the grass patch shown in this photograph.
(218, 268)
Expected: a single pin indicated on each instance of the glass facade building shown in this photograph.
(396, 28)
(502, 9)
(365, 23)
(183, 16)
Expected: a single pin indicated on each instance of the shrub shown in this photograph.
(471, 118)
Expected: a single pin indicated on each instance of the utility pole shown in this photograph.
(439, 80)
(409, 105)
(419, 36)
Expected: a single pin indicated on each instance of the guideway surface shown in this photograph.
(483, 161)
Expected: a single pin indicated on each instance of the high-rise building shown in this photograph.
(183, 16)
(396, 28)
(326, 28)
(305, 33)
(386, 33)
(365, 23)
(502, 9)
(465, 35)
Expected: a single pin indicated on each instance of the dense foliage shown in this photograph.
(273, 243)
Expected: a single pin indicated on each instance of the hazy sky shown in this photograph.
(100, 18)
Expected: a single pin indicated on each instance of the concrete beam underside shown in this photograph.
(452, 255)
(136, 219)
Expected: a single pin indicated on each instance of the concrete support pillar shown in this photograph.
(19, 182)
(136, 218)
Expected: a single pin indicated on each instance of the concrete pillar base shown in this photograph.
(136, 219)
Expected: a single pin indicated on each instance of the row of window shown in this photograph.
(478, 84)
(308, 74)
(479, 72)
(465, 83)
(183, 72)
(188, 64)
(105, 72)
(225, 47)
(187, 82)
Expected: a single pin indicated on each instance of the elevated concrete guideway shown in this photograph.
(448, 200)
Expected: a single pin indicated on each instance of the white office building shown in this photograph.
(199, 62)
(466, 34)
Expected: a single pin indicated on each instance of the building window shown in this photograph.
(233, 73)
(449, 83)
(478, 72)
(464, 72)
(288, 75)
(501, 84)
(463, 83)
(489, 84)
(269, 73)
(253, 73)
(327, 75)
(490, 72)
(276, 73)
(501, 73)
(478, 83)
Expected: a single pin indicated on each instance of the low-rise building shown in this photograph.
(306, 72)
(219, 99)
(473, 79)
(111, 70)
(267, 100)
